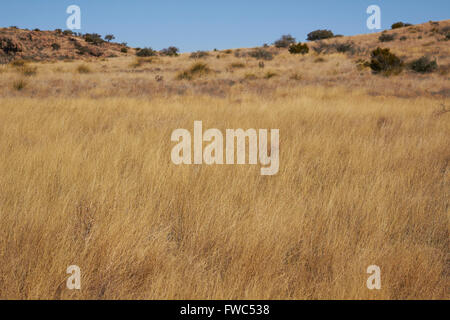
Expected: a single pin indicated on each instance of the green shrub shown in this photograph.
(383, 61)
(299, 48)
(319, 35)
(285, 41)
(398, 25)
(124, 50)
(387, 37)
(146, 52)
(423, 65)
(170, 51)
(56, 46)
(261, 54)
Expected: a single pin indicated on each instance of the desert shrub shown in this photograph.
(93, 38)
(285, 41)
(398, 25)
(345, 47)
(19, 84)
(109, 37)
(261, 54)
(228, 51)
(423, 65)
(299, 48)
(237, 65)
(58, 31)
(196, 70)
(403, 38)
(67, 32)
(261, 64)
(387, 37)
(342, 47)
(124, 50)
(199, 54)
(37, 29)
(170, 51)
(146, 52)
(320, 35)
(83, 69)
(383, 61)
(56, 46)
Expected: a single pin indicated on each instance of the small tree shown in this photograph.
(285, 41)
(319, 35)
(109, 37)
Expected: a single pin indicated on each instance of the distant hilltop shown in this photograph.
(40, 45)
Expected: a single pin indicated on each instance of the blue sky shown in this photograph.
(207, 24)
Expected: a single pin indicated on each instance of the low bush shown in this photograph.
(299, 48)
(385, 62)
(423, 65)
(146, 52)
(387, 37)
(56, 46)
(261, 54)
(398, 25)
(196, 70)
(320, 35)
(199, 55)
(170, 51)
(93, 38)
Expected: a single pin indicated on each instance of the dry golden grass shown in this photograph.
(86, 179)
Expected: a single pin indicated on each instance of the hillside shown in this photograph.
(39, 45)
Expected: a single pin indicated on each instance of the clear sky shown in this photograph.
(207, 24)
